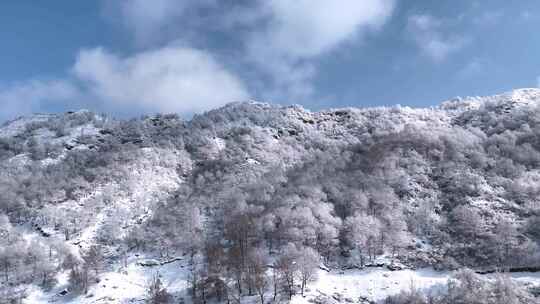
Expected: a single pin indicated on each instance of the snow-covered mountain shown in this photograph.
(258, 202)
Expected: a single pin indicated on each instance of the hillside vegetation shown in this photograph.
(256, 197)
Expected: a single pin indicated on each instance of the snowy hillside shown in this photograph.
(257, 203)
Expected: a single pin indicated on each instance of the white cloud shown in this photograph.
(300, 28)
(428, 34)
(282, 37)
(171, 79)
(282, 42)
(298, 31)
(33, 95)
(149, 20)
(306, 28)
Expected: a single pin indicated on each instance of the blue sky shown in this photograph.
(130, 57)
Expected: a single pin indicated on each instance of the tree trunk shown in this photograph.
(239, 285)
(6, 273)
(275, 290)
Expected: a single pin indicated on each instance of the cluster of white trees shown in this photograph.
(84, 270)
(228, 275)
(26, 260)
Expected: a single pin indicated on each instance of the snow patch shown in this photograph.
(18, 126)
(120, 285)
(372, 283)
(219, 143)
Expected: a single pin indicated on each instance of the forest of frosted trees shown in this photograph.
(267, 195)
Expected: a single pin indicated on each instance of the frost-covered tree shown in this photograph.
(258, 265)
(307, 263)
(364, 233)
(288, 267)
(156, 291)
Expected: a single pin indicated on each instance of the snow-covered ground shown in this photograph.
(129, 285)
(371, 283)
(527, 278)
(120, 285)
(378, 283)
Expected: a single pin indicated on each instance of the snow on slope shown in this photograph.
(120, 204)
(371, 283)
(147, 183)
(378, 283)
(18, 126)
(128, 285)
(150, 179)
(526, 96)
(120, 285)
